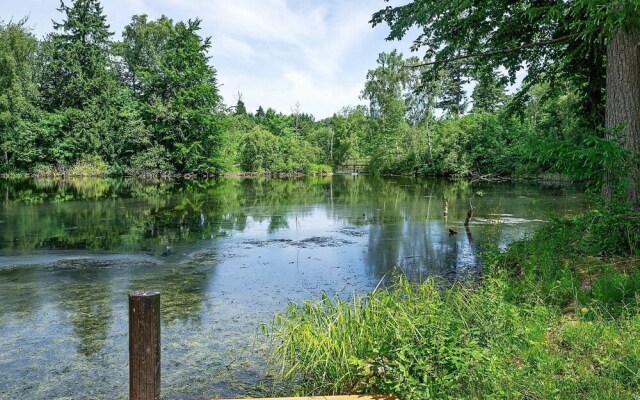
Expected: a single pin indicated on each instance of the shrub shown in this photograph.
(89, 166)
(153, 161)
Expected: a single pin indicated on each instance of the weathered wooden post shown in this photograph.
(144, 345)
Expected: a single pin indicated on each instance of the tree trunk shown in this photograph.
(429, 142)
(623, 108)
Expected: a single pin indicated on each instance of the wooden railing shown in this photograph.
(144, 352)
(353, 168)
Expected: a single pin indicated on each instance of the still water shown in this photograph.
(226, 255)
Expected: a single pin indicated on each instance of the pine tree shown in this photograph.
(260, 114)
(489, 93)
(77, 70)
(453, 100)
(241, 109)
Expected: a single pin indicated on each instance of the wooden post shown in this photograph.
(144, 345)
(446, 207)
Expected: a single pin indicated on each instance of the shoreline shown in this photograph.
(278, 175)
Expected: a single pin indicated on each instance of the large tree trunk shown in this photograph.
(623, 107)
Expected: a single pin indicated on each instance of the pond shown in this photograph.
(227, 255)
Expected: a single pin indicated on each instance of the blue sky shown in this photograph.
(275, 52)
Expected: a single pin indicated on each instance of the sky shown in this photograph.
(276, 53)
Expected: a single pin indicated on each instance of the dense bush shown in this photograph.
(153, 161)
(262, 151)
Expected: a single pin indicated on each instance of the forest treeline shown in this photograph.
(80, 102)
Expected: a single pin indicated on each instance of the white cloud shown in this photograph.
(261, 20)
(232, 48)
(316, 53)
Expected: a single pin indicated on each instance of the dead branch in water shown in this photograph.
(469, 214)
(488, 178)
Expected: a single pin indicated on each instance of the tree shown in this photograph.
(489, 93)
(77, 69)
(421, 101)
(167, 67)
(384, 89)
(623, 106)
(591, 43)
(259, 114)
(453, 97)
(349, 128)
(241, 109)
(141, 51)
(77, 83)
(17, 94)
(278, 123)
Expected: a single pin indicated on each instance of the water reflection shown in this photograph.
(402, 218)
(88, 303)
(226, 255)
(184, 290)
(20, 297)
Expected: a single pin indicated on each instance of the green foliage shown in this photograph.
(76, 61)
(560, 42)
(150, 102)
(262, 151)
(489, 93)
(452, 100)
(18, 114)
(404, 136)
(384, 90)
(348, 136)
(259, 151)
(419, 342)
(557, 40)
(320, 169)
(241, 109)
(89, 166)
(166, 67)
(152, 161)
(572, 259)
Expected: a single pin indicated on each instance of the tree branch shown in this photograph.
(495, 52)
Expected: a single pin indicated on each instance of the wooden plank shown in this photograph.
(350, 397)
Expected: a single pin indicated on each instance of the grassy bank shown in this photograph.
(556, 316)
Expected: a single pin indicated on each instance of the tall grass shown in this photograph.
(549, 321)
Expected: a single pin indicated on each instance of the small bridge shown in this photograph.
(352, 167)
